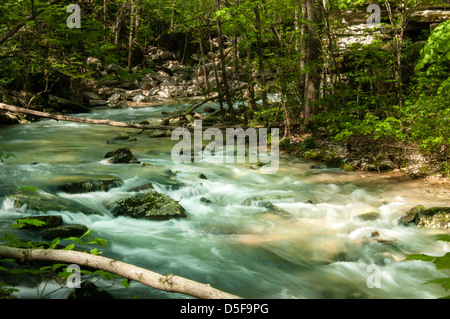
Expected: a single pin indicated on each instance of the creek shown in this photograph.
(293, 234)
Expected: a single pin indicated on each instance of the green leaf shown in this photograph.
(95, 252)
(442, 262)
(28, 188)
(445, 282)
(69, 247)
(420, 257)
(77, 240)
(54, 243)
(443, 238)
(125, 283)
(100, 241)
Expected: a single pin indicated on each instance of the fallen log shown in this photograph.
(191, 109)
(58, 117)
(169, 283)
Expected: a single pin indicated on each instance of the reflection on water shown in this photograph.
(295, 234)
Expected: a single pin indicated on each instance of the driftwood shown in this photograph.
(57, 117)
(191, 109)
(169, 283)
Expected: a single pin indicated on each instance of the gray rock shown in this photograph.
(434, 217)
(44, 202)
(150, 206)
(121, 156)
(91, 185)
(89, 290)
(410, 215)
(64, 231)
(369, 216)
(50, 221)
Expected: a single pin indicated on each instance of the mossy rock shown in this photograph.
(44, 202)
(410, 215)
(89, 290)
(369, 216)
(334, 162)
(50, 221)
(86, 185)
(434, 217)
(63, 231)
(121, 156)
(150, 206)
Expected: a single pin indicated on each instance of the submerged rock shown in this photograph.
(151, 206)
(121, 156)
(91, 185)
(63, 231)
(89, 290)
(369, 216)
(434, 217)
(50, 221)
(45, 202)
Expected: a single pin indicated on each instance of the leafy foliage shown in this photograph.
(441, 263)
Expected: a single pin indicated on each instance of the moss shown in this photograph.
(151, 206)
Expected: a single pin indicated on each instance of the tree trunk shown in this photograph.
(262, 73)
(313, 59)
(16, 109)
(169, 283)
(203, 62)
(216, 76)
(224, 68)
(130, 37)
(398, 46)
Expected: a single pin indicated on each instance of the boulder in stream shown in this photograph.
(121, 156)
(434, 217)
(44, 202)
(87, 185)
(88, 290)
(150, 206)
(64, 231)
(50, 221)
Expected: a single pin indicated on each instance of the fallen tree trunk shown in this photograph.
(191, 109)
(57, 117)
(169, 283)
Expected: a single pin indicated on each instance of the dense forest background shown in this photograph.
(378, 93)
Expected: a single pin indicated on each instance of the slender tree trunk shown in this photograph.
(313, 59)
(262, 73)
(223, 65)
(130, 37)
(169, 283)
(251, 84)
(398, 45)
(216, 76)
(203, 62)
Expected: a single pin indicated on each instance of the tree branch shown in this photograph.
(169, 283)
(20, 25)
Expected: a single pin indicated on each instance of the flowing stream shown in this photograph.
(313, 246)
